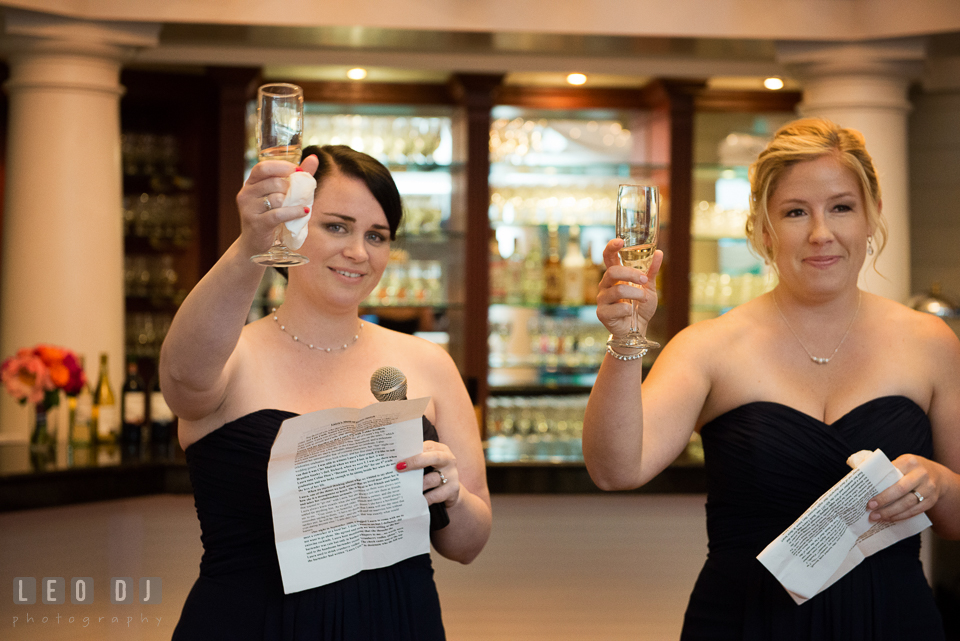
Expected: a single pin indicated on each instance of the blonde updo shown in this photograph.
(799, 141)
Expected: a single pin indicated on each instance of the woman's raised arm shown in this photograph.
(629, 438)
(206, 328)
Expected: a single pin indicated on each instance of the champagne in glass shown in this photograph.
(638, 256)
(279, 137)
(638, 224)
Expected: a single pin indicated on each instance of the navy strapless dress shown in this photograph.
(239, 594)
(766, 463)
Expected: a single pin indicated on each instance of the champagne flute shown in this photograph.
(638, 224)
(279, 136)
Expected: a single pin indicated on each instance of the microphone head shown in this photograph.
(389, 384)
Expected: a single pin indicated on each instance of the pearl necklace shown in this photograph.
(283, 328)
(820, 360)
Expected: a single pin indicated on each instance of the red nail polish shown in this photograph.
(306, 210)
(299, 169)
(401, 465)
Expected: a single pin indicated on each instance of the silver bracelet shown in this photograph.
(622, 357)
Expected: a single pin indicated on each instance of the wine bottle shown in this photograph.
(572, 264)
(515, 275)
(498, 268)
(592, 273)
(133, 406)
(81, 408)
(553, 270)
(161, 417)
(106, 414)
(533, 274)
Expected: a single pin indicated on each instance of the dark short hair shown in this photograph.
(356, 164)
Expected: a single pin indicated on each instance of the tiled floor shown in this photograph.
(561, 568)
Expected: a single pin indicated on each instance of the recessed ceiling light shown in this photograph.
(357, 74)
(576, 78)
(773, 83)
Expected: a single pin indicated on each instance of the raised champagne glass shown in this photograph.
(638, 224)
(279, 137)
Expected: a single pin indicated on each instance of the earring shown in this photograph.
(869, 245)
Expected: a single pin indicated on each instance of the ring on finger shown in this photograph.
(919, 496)
(443, 479)
(266, 201)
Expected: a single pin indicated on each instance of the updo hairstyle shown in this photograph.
(800, 141)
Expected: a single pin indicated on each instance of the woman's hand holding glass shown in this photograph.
(260, 200)
(622, 285)
(638, 225)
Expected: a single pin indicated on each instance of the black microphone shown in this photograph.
(389, 384)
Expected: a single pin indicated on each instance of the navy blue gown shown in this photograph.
(239, 594)
(766, 463)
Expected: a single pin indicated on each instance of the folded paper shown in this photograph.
(836, 534)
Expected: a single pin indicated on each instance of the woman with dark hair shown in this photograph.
(782, 390)
(232, 384)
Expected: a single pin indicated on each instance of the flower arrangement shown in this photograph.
(36, 375)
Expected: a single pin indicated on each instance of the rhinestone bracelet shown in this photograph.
(623, 357)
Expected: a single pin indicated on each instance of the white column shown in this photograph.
(864, 86)
(62, 270)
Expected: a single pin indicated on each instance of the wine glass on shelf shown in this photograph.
(279, 137)
(638, 224)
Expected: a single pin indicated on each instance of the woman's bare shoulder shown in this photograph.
(729, 328)
(408, 346)
(926, 331)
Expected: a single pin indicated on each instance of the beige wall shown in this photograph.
(935, 191)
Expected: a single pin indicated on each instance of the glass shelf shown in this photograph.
(534, 380)
(366, 308)
(543, 226)
(571, 309)
(709, 238)
(582, 366)
(441, 236)
(706, 171)
(424, 167)
(504, 171)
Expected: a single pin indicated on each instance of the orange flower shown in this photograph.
(32, 374)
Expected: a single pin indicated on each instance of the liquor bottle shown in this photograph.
(498, 271)
(133, 406)
(533, 274)
(592, 273)
(515, 275)
(81, 409)
(161, 417)
(106, 414)
(553, 270)
(573, 263)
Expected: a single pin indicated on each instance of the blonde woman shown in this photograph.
(782, 390)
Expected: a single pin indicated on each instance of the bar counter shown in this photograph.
(81, 475)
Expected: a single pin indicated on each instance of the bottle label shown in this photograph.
(552, 285)
(134, 407)
(572, 286)
(108, 422)
(84, 409)
(159, 410)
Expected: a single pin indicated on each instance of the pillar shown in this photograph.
(864, 86)
(61, 279)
